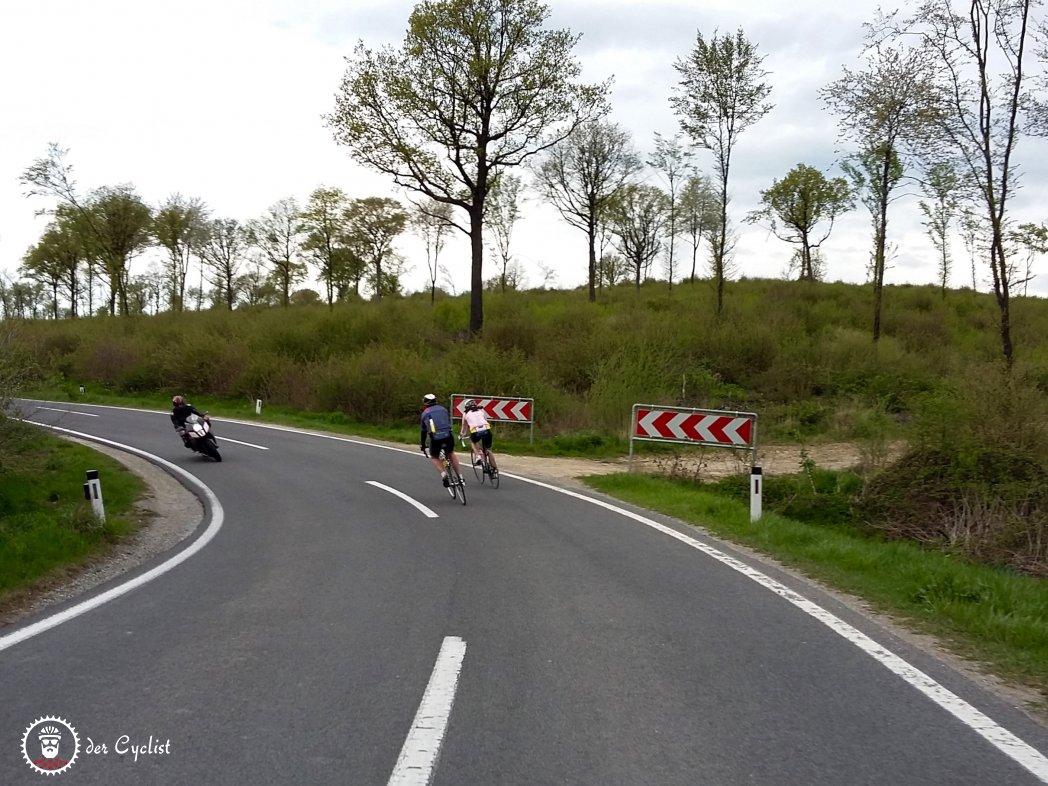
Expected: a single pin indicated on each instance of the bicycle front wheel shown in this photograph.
(460, 484)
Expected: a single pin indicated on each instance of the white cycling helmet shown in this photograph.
(429, 398)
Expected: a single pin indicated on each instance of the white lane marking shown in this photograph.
(217, 517)
(1002, 739)
(426, 511)
(246, 444)
(418, 757)
(70, 412)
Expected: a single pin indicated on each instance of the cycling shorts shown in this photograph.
(436, 443)
(483, 437)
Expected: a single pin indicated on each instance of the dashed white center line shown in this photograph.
(70, 412)
(425, 511)
(418, 757)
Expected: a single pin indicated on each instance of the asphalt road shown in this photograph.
(320, 629)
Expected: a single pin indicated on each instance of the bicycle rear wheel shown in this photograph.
(492, 470)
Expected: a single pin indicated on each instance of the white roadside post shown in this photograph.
(258, 406)
(93, 493)
(755, 493)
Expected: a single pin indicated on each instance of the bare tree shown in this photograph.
(720, 95)
(979, 62)
(580, 176)
(222, 249)
(278, 235)
(940, 186)
(503, 208)
(431, 220)
(700, 214)
(672, 161)
(639, 215)
(178, 226)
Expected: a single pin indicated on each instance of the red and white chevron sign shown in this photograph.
(505, 410)
(705, 427)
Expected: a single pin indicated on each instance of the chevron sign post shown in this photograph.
(499, 409)
(704, 427)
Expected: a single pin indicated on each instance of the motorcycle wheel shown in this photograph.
(211, 447)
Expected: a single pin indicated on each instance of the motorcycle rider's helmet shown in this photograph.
(178, 401)
(429, 399)
(470, 405)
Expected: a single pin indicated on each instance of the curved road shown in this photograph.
(339, 619)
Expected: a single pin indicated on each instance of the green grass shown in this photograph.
(987, 615)
(46, 525)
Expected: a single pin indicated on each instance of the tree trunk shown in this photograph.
(591, 233)
(476, 294)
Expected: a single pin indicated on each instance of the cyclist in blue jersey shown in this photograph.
(436, 430)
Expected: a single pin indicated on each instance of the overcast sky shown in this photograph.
(223, 100)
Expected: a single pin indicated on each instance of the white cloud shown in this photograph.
(223, 100)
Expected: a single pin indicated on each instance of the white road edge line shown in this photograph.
(245, 444)
(1002, 739)
(425, 511)
(418, 757)
(70, 412)
(217, 517)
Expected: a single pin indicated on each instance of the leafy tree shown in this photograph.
(278, 236)
(721, 94)
(581, 175)
(503, 208)
(794, 206)
(940, 186)
(888, 110)
(639, 216)
(121, 222)
(875, 173)
(222, 248)
(324, 226)
(673, 163)
(115, 217)
(431, 220)
(979, 62)
(477, 87)
(612, 269)
(372, 224)
(1033, 240)
(56, 260)
(177, 227)
(256, 287)
(700, 214)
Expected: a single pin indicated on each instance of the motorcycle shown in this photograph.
(199, 436)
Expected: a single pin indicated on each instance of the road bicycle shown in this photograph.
(486, 469)
(456, 486)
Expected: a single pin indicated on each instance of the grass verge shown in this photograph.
(990, 616)
(47, 528)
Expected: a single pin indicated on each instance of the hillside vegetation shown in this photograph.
(799, 354)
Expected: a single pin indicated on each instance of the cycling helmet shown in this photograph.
(470, 404)
(178, 401)
(428, 399)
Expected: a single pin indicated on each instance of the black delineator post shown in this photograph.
(755, 493)
(93, 493)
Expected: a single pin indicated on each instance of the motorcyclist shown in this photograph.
(180, 411)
